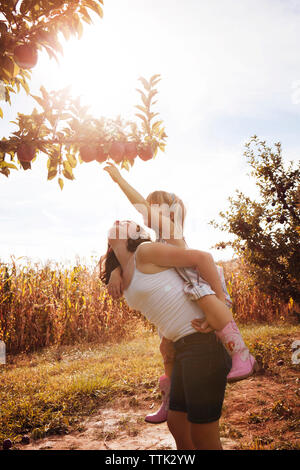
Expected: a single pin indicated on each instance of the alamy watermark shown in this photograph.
(166, 221)
(2, 353)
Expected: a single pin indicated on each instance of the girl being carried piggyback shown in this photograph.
(165, 213)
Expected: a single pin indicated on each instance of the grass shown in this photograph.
(42, 395)
(48, 304)
(47, 392)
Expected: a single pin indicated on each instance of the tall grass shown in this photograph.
(42, 305)
(250, 303)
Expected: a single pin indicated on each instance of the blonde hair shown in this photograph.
(173, 201)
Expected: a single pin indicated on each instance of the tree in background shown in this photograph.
(63, 129)
(267, 231)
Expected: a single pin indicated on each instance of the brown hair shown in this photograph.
(163, 197)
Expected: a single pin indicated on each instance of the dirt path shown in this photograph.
(261, 412)
(115, 429)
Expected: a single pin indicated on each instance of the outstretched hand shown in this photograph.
(113, 172)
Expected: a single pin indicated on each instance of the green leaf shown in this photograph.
(94, 6)
(141, 92)
(5, 172)
(141, 108)
(16, 70)
(68, 175)
(8, 66)
(39, 100)
(79, 29)
(86, 16)
(51, 174)
(152, 115)
(61, 183)
(155, 78)
(25, 86)
(146, 85)
(8, 165)
(152, 93)
(156, 125)
(51, 53)
(65, 30)
(67, 167)
(72, 160)
(125, 164)
(142, 117)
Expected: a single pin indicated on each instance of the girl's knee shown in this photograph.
(180, 430)
(206, 436)
(177, 422)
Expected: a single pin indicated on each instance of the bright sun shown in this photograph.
(104, 78)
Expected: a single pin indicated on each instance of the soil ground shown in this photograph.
(259, 413)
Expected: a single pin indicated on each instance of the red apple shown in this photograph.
(88, 153)
(146, 153)
(131, 150)
(26, 56)
(25, 152)
(101, 156)
(116, 151)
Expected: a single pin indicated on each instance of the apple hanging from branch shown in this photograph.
(26, 55)
(65, 132)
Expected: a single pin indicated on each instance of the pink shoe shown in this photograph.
(243, 363)
(241, 369)
(162, 414)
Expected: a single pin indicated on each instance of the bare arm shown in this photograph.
(115, 284)
(136, 199)
(153, 218)
(170, 256)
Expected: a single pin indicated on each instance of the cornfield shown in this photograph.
(250, 304)
(42, 305)
(45, 305)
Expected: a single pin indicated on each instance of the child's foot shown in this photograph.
(162, 414)
(243, 363)
(242, 367)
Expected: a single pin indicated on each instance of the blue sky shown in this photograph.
(229, 69)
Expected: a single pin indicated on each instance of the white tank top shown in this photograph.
(161, 299)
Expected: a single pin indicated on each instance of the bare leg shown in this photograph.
(180, 429)
(206, 436)
(168, 366)
(217, 313)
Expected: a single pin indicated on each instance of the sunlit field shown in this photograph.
(42, 305)
(72, 350)
(49, 394)
(46, 304)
